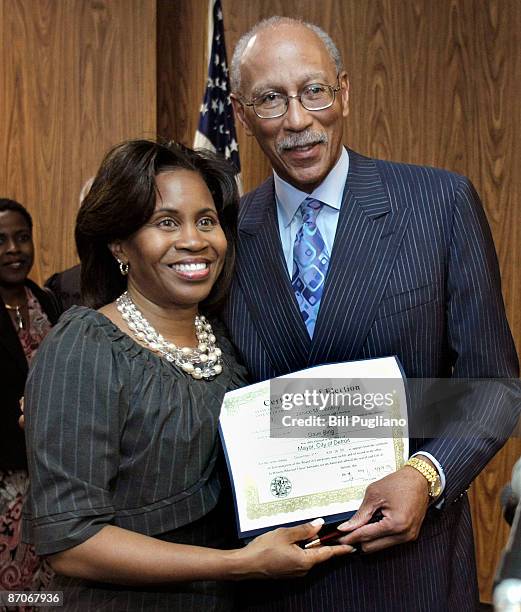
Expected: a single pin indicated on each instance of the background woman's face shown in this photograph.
(16, 248)
(177, 256)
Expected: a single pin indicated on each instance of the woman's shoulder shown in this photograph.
(81, 317)
(91, 326)
(95, 328)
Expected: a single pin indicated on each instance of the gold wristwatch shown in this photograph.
(431, 474)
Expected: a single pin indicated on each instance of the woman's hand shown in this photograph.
(276, 554)
(125, 557)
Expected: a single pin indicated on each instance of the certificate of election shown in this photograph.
(307, 445)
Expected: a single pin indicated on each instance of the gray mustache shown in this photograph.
(301, 139)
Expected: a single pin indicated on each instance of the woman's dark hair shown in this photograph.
(7, 204)
(122, 199)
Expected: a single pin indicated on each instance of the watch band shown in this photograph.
(429, 473)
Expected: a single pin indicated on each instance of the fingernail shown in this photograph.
(342, 526)
(353, 549)
(317, 522)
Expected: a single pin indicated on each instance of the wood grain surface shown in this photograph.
(433, 83)
(181, 67)
(78, 76)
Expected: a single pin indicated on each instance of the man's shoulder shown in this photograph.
(416, 185)
(369, 173)
(389, 169)
(361, 167)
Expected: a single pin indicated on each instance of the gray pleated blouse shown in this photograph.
(117, 435)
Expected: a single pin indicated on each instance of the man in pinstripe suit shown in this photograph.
(410, 269)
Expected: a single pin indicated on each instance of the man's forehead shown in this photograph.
(265, 83)
(280, 35)
(263, 62)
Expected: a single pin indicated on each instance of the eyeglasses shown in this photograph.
(314, 97)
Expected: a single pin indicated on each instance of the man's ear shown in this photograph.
(240, 113)
(344, 92)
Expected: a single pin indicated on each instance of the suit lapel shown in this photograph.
(262, 274)
(368, 235)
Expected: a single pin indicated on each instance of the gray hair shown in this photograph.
(272, 22)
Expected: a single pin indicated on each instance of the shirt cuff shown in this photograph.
(439, 502)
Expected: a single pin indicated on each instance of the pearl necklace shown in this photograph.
(201, 362)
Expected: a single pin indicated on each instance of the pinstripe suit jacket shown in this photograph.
(413, 273)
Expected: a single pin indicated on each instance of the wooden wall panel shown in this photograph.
(181, 67)
(432, 83)
(77, 77)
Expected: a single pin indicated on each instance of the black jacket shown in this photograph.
(66, 286)
(13, 374)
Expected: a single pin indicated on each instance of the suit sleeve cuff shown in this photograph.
(439, 503)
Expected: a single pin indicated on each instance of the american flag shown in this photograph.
(216, 130)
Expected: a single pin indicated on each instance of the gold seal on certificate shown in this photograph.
(308, 444)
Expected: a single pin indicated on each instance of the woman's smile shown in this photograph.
(191, 269)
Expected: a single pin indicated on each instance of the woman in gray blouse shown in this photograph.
(127, 497)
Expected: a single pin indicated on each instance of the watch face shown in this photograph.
(435, 488)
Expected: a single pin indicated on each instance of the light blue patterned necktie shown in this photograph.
(310, 262)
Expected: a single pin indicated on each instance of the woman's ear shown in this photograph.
(117, 250)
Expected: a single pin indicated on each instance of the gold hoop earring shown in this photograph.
(123, 267)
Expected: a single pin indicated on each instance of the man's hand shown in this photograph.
(402, 498)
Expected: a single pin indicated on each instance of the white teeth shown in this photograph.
(192, 267)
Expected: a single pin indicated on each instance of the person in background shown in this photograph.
(66, 285)
(27, 313)
(127, 495)
(366, 258)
